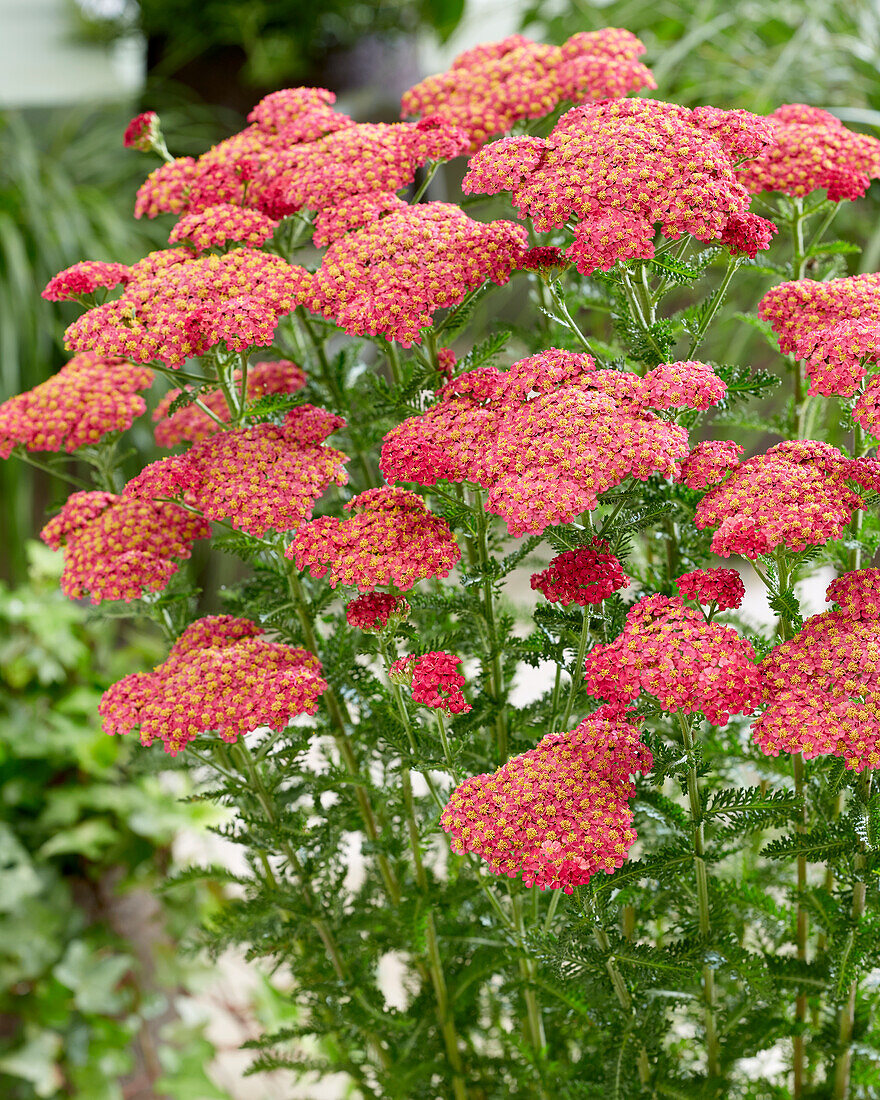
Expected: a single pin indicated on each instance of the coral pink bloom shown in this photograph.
(86, 400)
(115, 548)
(822, 688)
(267, 476)
(813, 149)
(221, 676)
(496, 84)
(85, 278)
(559, 813)
(668, 650)
(218, 225)
(795, 495)
(549, 435)
(391, 538)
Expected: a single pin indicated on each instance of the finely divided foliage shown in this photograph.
(662, 834)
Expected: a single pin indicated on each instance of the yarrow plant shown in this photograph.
(486, 699)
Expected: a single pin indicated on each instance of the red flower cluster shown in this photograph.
(709, 462)
(175, 306)
(723, 587)
(823, 687)
(494, 85)
(685, 385)
(585, 576)
(392, 538)
(832, 325)
(220, 676)
(747, 234)
(298, 152)
(190, 424)
(258, 478)
(114, 548)
(669, 651)
(88, 398)
(813, 149)
(371, 611)
(559, 813)
(141, 132)
(217, 225)
(622, 166)
(795, 495)
(435, 681)
(547, 436)
(391, 275)
(85, 278)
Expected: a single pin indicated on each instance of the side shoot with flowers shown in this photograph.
(614, 840)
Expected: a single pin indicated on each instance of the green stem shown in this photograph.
(843, 1065)
(496, 671)
(430, 171)
(528, 972)
(823, 226)
(25, 456)
(716, 300)
(243, 389)
(800, 1009)
(698, 840)
(622, 994)
(394, 363)
(577, 672)
(336, 709)
(570, 322)
(638, 312)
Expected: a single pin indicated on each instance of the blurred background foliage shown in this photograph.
(89, 965)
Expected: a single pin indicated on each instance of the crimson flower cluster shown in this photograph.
(86, 400)
(671, 652)
(116, 548)
(722, 587)
(492, 86)
(391, 538)
(220, 676)
(372, 611)
(550, 434)
(822, 688)
(434, 679)
(584, 576)
(559, 813)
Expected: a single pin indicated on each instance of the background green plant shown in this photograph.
(89, 952)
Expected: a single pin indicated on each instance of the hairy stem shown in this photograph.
(577, 672)
(495, 669)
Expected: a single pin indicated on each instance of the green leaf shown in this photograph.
(93, 978)
(37, 1062)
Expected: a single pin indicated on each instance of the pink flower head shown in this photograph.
(446, 360)
(610, 236)
(267, 476)
(866, 410)
(390, 276)
(86, 400)
(559, 813)
(434, 679)
(142, 132)
(545, 437)
(623, 166)
(746, 234)
(84, 278)
(496, 84)
(372, 611)
(832, 325)
(822, 687)
(812, 149)
(795, 495)
(688, 384)
(176, 305)
(723, 587)
(220, 676)
(391, 538)
(585, 576)
(165, 189)
(215, 226)
(115, 548)
(190, 424)
(709, 462)
(669, 651)
(354, 212)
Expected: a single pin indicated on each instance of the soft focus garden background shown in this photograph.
(96, 1000)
